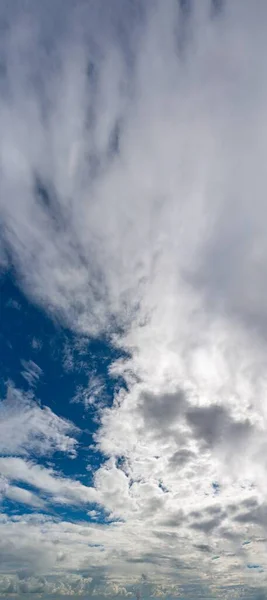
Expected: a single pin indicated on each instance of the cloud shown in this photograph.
(178, 241)
(213, 424)
(26, 427)
(18, 494)
(31, 373)
(62, 489)
(77, 176)
(132, 158)
(94, 392)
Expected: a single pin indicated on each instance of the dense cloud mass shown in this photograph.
(132, 206)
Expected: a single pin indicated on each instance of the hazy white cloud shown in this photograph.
(18, 494)
(32, 372)
(36, 344)
(94, 392)
(27, 427)
(133, 203)
(62, 489)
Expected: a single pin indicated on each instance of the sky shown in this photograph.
(133, 325)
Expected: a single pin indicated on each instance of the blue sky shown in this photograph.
(57, 368)
(133, 281)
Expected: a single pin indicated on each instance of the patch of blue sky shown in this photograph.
(29, 336)
(88, 513)
(13, 508)
(216, 487)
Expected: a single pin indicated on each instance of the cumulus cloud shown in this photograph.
(132, 161)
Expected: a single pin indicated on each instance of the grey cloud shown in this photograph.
(214, 425)
(162, 411)
(167, 536)
(261, 594)
(208, 422)
(195, 513)
(217, 7)
(12, 559)
(207, 525)
(155, 558)
(256, 515)
(181, 458)
(242, 509)
(204, 548)
(8, 585)
(214, 6)
(32, 586)
(230, 534)
(173, 520)
(232, 508)
(214, 510)
(167, 414)
(250, 502)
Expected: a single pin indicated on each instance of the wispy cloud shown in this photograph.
(32, 372)
(62, 490)
(18, 494)
(26, 427)
(93, 393)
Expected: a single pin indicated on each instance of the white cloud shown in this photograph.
(93, 393)
(18, 494)
(137, 201)
(27, 427)
(32, 372)
(62, 489)
(36, 344)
